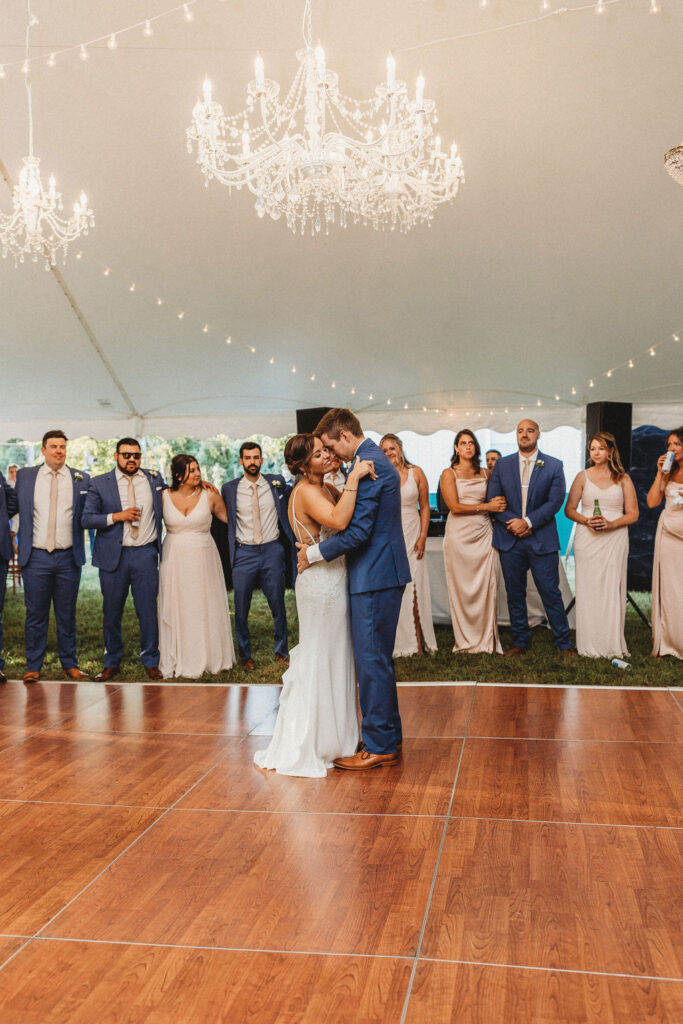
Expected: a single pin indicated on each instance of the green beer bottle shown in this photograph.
(596, 508)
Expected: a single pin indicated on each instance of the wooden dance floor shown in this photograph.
(523, 865)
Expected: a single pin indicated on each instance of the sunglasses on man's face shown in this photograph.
(131, 455)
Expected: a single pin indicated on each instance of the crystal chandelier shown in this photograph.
(317, 158)
(34, 227)
(673, 161)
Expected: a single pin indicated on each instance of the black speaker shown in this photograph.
(612, 418)
(308, 419)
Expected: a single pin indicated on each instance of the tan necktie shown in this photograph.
(256, 513)
(51, 542)
(134, 526)
(525, 485)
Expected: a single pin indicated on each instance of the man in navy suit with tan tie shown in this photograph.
(51, 552)
(125, 508)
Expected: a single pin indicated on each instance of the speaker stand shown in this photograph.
(641, 613)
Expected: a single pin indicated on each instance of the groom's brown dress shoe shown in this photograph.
(31, 677)
(515, 651)
(153, 672)
(248, 664)
(365, 759)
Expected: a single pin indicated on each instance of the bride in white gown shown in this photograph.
(317, 719)
(194, 618)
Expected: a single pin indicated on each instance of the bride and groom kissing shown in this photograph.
(353, 569)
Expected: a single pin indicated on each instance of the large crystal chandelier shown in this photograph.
(316, 157)
(34, 228)
(673, 161)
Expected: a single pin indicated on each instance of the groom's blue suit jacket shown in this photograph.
(25, 489)
(373, 541)
(544, 499)
(103, 498)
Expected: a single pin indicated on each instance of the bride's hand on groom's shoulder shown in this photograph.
(363, 467)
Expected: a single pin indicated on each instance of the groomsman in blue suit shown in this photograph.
(51, 552)
(526, 535)
(125, 508)
(378, 573)
(258, 536)
(8, 508)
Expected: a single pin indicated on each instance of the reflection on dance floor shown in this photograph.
(522, 863)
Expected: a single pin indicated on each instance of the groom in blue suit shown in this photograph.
(526, 535)
(378, 573)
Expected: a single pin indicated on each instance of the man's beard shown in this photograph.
(252, 470)
(129, 472)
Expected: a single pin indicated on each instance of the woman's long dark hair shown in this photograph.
(476, 460)
(179, 467)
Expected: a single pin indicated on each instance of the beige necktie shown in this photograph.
(134, 526)
(256, 513)
(51, 542)
(525, 485)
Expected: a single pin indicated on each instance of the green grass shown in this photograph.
(542, 665)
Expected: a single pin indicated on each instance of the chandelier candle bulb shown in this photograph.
(391, 73)
(420, 92)
(260, 73)
(206, 89)
(320, 64)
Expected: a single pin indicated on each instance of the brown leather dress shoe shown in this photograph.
(568, 652)
(514, 652)
(281, 658)
(106, 674)
(31, 677)
(364, 760)
(153, 672)
(248, 664)
(75, 673)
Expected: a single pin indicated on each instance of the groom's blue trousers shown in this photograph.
(374, 618)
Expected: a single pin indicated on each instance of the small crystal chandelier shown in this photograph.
(338, 164)
(34, 228)
(673, 161)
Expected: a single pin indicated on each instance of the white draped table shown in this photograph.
(439, 592)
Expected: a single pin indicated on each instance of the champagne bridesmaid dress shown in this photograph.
(417, 590)
(472, 573)
(600, 561)
(667, 577)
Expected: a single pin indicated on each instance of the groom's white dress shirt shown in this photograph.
(41, 508)
(523, 460)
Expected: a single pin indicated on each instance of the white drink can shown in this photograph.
(668, 462)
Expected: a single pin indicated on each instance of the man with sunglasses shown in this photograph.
(125, 508)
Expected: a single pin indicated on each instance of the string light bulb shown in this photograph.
(160, 302)
(2, 72)
(132, 288)
(106, 271)
(630, 364)
(652, 351)
(591, 383)
(599, 7)
(52, 61)
(228, 340)
(187, 13)
(112, 42)
(205, 329)
(676, 337)
(83, 53)
(147, 30)
(654, 7)
(181, 315)
(573, 392)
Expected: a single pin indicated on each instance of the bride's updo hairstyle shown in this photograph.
(179, 467)
(298, 451)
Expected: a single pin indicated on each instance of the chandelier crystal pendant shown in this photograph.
(34, 227)
(317, 158)
(673, 161)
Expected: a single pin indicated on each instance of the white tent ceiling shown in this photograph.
(559, 260)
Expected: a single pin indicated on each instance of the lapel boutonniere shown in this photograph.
(78, 477)
(153, 473)
(277, 484)
(540, 463)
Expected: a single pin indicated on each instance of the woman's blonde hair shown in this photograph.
(608, 441)
(403, 461)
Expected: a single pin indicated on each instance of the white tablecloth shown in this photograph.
(439, 592)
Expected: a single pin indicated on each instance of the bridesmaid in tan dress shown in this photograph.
(415, 630)
(667, 570)
(471, 561)
(601, 549)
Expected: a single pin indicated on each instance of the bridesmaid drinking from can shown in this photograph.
(667, 570)
(608, 506)
(471, 560)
